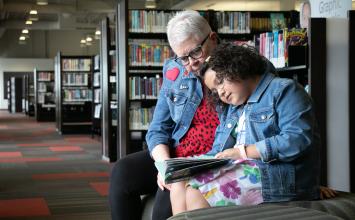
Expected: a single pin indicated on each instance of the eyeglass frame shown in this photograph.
(179, 59)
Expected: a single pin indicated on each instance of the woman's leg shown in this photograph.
(195, 199)
(131, 177)
(178, 197)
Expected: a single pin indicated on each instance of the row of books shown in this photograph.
(149, 21)
(140, 118)
(75, 79)
(233, 22)
(144, 87)
(97, 62)
(97, 95)
(45, 87)
(274, 45)
(77, 95)
(149, 52)
(44, 98)
(45, 76)
(96, 79)
(76, 64)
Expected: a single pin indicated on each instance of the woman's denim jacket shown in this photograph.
(280, 121)
(179, 97)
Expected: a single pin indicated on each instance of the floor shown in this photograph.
(44, 175)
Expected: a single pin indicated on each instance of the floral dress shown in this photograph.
(238, 183)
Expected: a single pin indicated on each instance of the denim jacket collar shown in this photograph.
(264, 82)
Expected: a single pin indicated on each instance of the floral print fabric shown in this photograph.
(237, 183)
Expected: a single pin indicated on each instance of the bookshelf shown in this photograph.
(28, 95)
(8, 83)
(96, 98)
(109, 93)
(16, 92)
(73, 94)
(134, 33)
(44, 95)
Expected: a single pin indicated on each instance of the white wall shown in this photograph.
(338, 103)
(20, 65)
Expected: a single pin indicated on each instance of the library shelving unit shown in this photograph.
(44, 95)
(135, 39)
(141, 54)
(108, 89)
(9, 95)
(16, 92)
(28, 94)
(96, 98)
(73, 94)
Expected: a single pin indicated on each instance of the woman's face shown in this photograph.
(235, 93)
(190, 46)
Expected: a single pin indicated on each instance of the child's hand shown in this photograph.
(232, 153)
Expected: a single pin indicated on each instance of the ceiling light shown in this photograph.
(88, 39)
(97, 32)
(29, 22)
(33, 17)
(150, 4)
(42, 2)
(25, 31)
(22, 38)
(33, 12)
(83, 41)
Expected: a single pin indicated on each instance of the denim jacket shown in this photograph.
(180, 95)
(280, 121)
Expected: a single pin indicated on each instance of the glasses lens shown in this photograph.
(184, 60)
(196, 53)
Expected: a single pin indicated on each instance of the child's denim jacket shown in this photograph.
(179, 97)
(280, 120)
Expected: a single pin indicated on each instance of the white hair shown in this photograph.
(186, 24)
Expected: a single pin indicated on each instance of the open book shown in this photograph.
(179, 169)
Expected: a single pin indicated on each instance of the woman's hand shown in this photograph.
(232, 153)
(161, 183)
(327, 193)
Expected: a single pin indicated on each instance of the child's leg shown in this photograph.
(195, 199)
(177, 197)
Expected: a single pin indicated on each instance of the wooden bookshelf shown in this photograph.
(73, 94)
(44, 95)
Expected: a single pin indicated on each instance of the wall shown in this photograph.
(45, 44)
(338, 103)
(20, 65)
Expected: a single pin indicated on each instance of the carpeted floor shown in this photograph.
(44, 175)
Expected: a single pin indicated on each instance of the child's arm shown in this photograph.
(235, 152)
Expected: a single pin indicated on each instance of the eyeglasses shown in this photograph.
(195, 53)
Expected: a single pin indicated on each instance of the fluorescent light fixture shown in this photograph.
(97, 32)
(83, 41)
(42, 2)
(88, 39)
(29, 22)
(22, 38)
(33, 17)
(33, 12)
(150, 4)
(25, 31)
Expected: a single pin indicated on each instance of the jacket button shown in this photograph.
(229, 125)
(175, 99)
(263, 117)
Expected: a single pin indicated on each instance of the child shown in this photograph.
(267, 125)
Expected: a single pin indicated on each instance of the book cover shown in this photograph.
(179, 169)
(277, 21)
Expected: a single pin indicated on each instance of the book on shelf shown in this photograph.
(278, 21)
(180, 169)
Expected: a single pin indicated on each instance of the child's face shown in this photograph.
(235, 93)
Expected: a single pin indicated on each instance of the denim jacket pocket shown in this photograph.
(176, 103)
(263, 121)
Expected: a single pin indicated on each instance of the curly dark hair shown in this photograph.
(233, 62)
